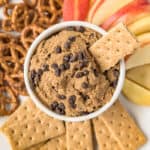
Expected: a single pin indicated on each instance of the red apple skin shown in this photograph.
(75, 9)
(127, 13)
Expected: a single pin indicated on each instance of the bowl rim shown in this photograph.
(45, 34)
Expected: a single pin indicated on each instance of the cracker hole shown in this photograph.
(108, 136)
(26, 126)
(127, 145)
(43, 132)
(117, 50)
(21, 134)
(100, 131)
(25, 107)
(16, 118)
(25, 117)
(118, 31)
(137, 138)
(104, 145)
(128, 136)
(12, 131)
(30, 138)
(122, 115)
(120, 124)
(119, 134)
(39, 121)
(56, 128)
(111, 122)
(129, 127)
(128, 42)
(34, 129)
(112, 113)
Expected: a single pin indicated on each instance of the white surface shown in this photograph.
(140, 114)
(36, 100)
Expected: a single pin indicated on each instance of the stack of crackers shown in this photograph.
(30, 129)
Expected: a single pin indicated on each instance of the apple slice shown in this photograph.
(102, 9)
(144, 38)
(140, 26)
(128, 14)
(139, 58)
(140, 75)
(136, 93)
(75, 9)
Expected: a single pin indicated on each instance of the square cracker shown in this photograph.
(105, 140)
(32, 129)
(58, 143)
(114, 46)
(123, 127)
(79, 136)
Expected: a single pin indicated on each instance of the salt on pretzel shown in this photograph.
(11, 57)
(29, 33)
(8, 102)
(16, 82)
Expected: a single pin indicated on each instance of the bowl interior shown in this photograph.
(46, 34)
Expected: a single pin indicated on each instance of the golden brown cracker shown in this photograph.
(33, 128)
(105, 140)
(114, 46)
(79, 136)
(58, 143)
(123, 127)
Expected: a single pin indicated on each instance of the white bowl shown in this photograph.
(37, 101)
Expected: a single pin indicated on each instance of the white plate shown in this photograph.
(139, 113)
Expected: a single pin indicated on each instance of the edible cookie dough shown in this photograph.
(66, 77)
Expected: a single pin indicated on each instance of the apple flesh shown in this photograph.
(140, 75)
(140, 26)
(136, 93)
(139, 58)
(128, 14)
(144, 38)
(102, 9)
(75, 9)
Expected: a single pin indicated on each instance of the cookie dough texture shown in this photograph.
(66, 77)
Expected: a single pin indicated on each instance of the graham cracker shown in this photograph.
(105, 140)
(123, 127)
(32, 130)
(37, 146)
(58, 143)
(21, 115)
(79, 136)
(114, 46)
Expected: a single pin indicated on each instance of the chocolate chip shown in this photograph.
(72, 38)
(81, 55)
(116, 73)
(33, 74)
(86, 72)
(67, 66)
(54, 66)
(96, 73)
(84, 112)
(80, 29)
(60, 109)
(61, 96)
(79, 75)
(114, 84)
(49, 55)
(54, 105)
(58, 49)
(82, 64)
(45, 67)
(85, 97)
(85, 85)
(72, 100)
(87, 45)
(62, 67)
(57, 72)
(73, 58)
(40, 72)
(70, 28)
(66, 58)
(67, 44)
